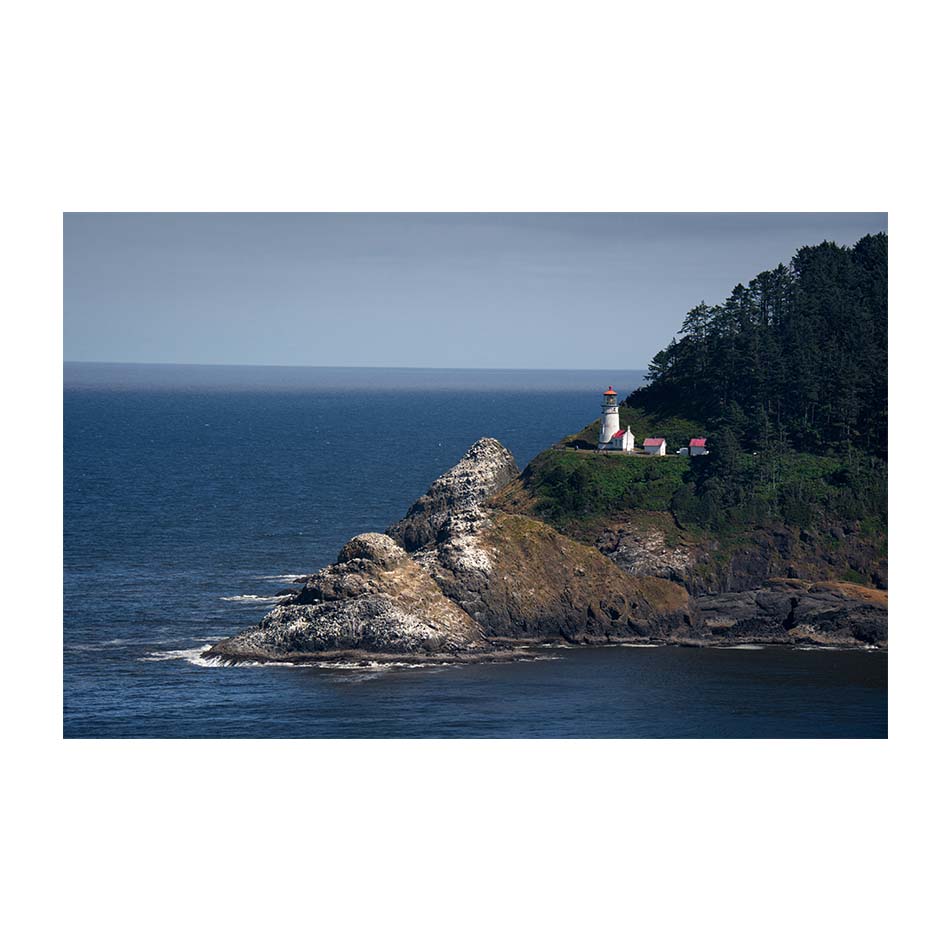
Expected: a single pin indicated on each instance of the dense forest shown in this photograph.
(787, 378)
(790, 367)
(796, 358)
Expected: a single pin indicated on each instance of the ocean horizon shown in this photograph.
(239, 376)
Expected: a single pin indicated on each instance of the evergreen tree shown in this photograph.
(800, 352)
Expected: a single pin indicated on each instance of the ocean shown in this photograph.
(193, 495)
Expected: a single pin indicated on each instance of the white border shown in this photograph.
(425, 106)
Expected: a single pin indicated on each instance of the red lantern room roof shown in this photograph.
(609, 391)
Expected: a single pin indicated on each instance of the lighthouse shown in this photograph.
(612, 437)
(609, 419)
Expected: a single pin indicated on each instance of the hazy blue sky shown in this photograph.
(455, 290)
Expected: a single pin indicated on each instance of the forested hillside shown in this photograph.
(798, 358)
(788, 380)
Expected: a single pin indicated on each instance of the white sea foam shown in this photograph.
(368, 666)
(284, 578)
(353, 669)
(257, 598)
(191, 655)
(639, 646)
(742, 646)
(194, 656)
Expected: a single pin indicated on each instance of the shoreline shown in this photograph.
(511, 654)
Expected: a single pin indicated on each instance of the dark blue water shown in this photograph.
(193, 494)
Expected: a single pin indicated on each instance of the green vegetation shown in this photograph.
(787, 379)
(759, 490)
(795, 488)
(798, 359)
(572, 484)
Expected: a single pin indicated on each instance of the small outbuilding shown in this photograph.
(698, 447)
(621, 441)
(654, 446)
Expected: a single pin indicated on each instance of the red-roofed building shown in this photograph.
(698, 447)
(654, 446)
(621, 441)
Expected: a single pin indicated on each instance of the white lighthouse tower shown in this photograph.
(609, 419)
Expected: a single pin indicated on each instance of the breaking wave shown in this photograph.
(191, 655)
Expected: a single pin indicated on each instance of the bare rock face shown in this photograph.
(484, 469)
(522, 580)
(374, 600)
(645, 552)
(829, 613)
(378, 549)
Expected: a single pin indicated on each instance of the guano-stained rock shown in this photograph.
(484, 469)
(375, 599)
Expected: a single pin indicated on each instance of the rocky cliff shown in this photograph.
(375, 599)
(787, 610)
(453, 499)
(465, 581)
(464, 577)
(706, 564)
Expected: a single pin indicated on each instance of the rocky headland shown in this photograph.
(465, 577)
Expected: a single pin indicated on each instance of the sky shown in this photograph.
(537, 291)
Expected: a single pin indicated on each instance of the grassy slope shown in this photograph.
(581, 493)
